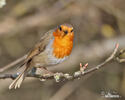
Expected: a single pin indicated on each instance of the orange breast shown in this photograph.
(62, 46)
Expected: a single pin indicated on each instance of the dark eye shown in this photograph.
(72, 30)
(60, 28)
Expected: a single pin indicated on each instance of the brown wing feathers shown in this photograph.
(39, 47)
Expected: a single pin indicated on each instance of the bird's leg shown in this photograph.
(45, 69)
(33, 71)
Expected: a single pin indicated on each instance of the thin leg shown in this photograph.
(45, 69)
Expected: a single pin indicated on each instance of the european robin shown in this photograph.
(53, 48)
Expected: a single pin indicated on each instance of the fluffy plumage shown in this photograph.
(53, 48)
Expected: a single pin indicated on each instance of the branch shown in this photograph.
(120, 60)
(61, 76)
(12, 63)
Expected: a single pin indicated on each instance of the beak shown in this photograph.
(65, 32)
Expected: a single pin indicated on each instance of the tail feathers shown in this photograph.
(17, 82)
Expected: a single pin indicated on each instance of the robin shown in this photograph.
(53, 48)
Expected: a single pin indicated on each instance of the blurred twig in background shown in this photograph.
(12, 64)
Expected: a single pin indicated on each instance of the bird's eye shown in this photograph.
(72, 30)
(60, 28)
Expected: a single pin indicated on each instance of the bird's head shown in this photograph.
(64, 31)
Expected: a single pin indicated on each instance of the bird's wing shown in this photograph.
(40, 46)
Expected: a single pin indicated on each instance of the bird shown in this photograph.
(54, 47)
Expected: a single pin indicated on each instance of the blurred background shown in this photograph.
(98, 25)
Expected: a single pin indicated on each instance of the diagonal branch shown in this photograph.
(64, 76)
(105, 44)
(110, 58)
(12, 63)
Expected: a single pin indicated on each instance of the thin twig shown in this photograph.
(110, 58)
(120, 60)
(12, 63)
(61, 76)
